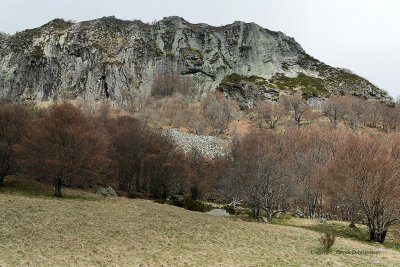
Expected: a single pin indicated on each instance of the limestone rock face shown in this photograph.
(111, 59)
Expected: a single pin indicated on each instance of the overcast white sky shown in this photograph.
(361, 35)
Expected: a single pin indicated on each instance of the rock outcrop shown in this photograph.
(109, 191)
(111, 59)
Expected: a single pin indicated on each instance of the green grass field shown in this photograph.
(84, 229)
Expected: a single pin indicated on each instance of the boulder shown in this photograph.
(109, 191)
(219, 213)
(298, 214)
(177, 198)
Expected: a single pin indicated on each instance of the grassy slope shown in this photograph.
(85, 229)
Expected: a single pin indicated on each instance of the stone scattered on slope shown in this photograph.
(208, 146)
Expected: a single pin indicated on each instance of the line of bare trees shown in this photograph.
(349, 110)
(318, 172)
(69, 147)
(353, 111)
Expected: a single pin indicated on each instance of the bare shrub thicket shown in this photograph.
(297, 106)
(169, 85)
(353, 111)
(174, 111)
(214, 112)
(308, 149)
(256, 176)
(220, 111)
(335, 109)
(365, 174)
(281, 169)
(147, 161)
(133, 100)
(270, 113)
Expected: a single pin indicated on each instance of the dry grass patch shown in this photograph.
(97, 231)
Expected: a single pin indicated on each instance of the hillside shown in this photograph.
(85, 229)
(113, 59)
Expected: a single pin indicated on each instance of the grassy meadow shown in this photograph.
(84, 229)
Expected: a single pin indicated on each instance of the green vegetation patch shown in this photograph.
(58, 24)
(22, 186)
(170, 55)
(236, 79)
(339, 228)
(23, 40)
(339, 78)
(38, 52)
(311, 86)
(191, 204)
(194, 55)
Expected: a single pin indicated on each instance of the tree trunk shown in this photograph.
(255, 210)
(57, 187)
(352, 224)
(353, 217)
(3, 173)
(377, 236)
(1, 179)
(270, 214)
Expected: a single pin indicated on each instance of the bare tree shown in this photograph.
(298, 106)
(334, 109)
(146, 160)
(353, 108)
(220, 110)
(270, 112)
(63, 146)
(257, 176)
(372, 113)
(308, 149)
(128, 139)
(390, 118)
(366, 171)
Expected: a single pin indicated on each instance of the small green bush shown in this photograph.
(230, 209)
(38, 52)
(132, 194)
(177, 203)
(193, 205)
(284, 216)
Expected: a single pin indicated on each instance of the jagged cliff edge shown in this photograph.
(111, 59)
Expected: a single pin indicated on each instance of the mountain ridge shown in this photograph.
(111, 58)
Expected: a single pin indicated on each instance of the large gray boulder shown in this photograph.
(108, 192)
(177, 198)
(219, 213)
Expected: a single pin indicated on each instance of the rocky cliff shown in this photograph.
(112, 58)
